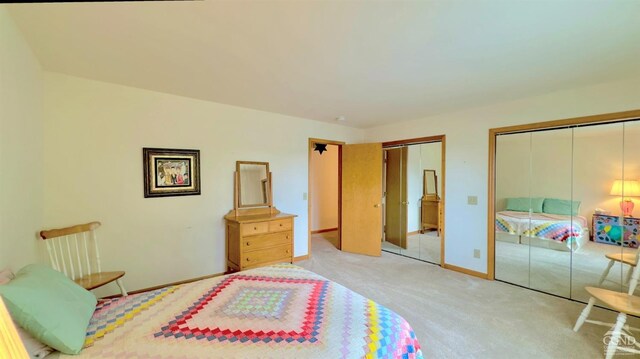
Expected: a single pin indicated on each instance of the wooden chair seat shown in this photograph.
(96, 280)
(621, 302)
(626, 258)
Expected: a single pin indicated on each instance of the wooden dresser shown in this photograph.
(258, 240)
(431, 213)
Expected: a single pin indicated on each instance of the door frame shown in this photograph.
(443, 142)
(338, 144)
(493, 134)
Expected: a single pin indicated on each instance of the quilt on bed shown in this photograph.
(546, 226)
(272, 312)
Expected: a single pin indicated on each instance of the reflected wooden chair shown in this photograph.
(74, 252)
(625, 304)
(630, 259)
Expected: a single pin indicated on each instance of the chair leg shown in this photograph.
(585, 314)
(615, 336)
(606, 272)
(628, 278)
(122, 290)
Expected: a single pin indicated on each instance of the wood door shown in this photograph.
(395, 225)
(361, 223)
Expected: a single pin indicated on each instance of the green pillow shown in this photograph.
(561, 206)
(522, 204)
(50, 306)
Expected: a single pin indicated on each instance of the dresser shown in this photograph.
(258, 240)
(430, 213)
(607, 229)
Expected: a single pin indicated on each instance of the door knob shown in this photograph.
(376, 205)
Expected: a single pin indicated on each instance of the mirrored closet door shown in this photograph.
(564, 216)
(412, 201)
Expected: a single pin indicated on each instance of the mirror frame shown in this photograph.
(424, 183)
(265, 185)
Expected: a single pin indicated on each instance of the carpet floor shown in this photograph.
(459, 316)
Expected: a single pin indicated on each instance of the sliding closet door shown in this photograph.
(395, 227)
(599, 165)
(549, 246)
(513, 207)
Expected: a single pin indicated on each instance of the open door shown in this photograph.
(395, 226)
(361, 223)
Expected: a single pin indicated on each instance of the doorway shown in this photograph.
(413, 199)
(324, 190)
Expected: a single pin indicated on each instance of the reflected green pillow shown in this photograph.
(561, 206)
(522, 204)
(50, 306)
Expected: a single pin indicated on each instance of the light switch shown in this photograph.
(476, 253)
(472, 200)
(304, 196)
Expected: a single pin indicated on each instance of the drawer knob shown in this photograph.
(255, 228)
(247, 259)
(280, 224)
(248, 244)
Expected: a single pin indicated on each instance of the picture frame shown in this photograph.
(171, 172)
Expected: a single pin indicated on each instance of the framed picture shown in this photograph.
(171, 172)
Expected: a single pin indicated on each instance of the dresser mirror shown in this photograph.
(254, 187)
(430, 186)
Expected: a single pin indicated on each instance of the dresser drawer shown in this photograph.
(267, 240)
(280, 225)
(249, 229)
(253, 258)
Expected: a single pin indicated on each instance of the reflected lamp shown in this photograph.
(625, 189)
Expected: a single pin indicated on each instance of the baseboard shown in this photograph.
(300, 258)
(324, 230)
(412, 233)
(465, 271)
(165, 285)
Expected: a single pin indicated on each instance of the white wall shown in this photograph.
(324, 189)
(94, 135)
(467, 152)
(21, 152)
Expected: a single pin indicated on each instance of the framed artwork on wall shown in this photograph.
(171, 172)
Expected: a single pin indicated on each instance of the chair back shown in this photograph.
(74, 250)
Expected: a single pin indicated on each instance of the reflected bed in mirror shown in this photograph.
(253, 184)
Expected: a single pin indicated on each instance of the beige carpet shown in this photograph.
(459, 316)
(559, 272)
(424, 246)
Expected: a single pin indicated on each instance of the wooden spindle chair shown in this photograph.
(625, 304)
(74, 252)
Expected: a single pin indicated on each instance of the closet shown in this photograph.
(413, 201)
(562, 199)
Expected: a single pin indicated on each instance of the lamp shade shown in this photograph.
(627, 188)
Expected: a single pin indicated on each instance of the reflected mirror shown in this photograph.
(430, 183)
(253, 184)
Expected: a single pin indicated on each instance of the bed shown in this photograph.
(272, 312)
(554, 231)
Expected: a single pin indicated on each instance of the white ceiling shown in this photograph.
(374, 62)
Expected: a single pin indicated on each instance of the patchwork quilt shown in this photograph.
(541, 225)
(281, 311)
